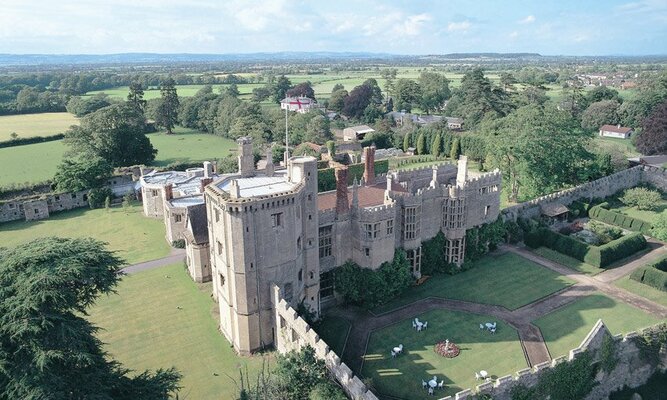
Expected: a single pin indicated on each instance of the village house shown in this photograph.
(615, 131)
(299, 104)
(356, 132)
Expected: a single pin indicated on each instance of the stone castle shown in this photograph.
(256, 228)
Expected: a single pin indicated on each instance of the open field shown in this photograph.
(499, 354)
(568, 261)
(643, 290)
(29, 125)
(136, 238)
(565, 328)
(507, 280)
(38, 162)
(160, 318)
(624, 146)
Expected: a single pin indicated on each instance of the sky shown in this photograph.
(565, 27)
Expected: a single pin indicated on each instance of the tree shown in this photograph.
(407, 94)
(642, 198)
(331, 148)
(653, 138)
(318, 129)
(48, 350)
(260, 94)
(406, 141)
(337, 87)
(114, 133)
(81, 106)
(659, 228)
(136, 96)
(507, 81)
(82, 173)
(652, 92)
(421, 144)
(436, 146)
(280, 88)
(574, 100)
(167, 110)
(455, 152)
(337, 100)
(389, 74)
(359, 98)
(477, 99)
(434, 91)
(600, 93)
(600, 113)
(303, 89)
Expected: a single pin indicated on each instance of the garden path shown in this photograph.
(176, 255)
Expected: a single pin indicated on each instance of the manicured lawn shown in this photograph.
(507, 280)
(645, 215)
(29, 125)
(565, 328)
(30, 163)
(38, 162)
(189, 145)
(568, 261)
(643, 290)
(136, 238)
(499, 354)
(144, 328)
(334, 332)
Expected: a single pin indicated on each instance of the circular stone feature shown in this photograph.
(447, 349)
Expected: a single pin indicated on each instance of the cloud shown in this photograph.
(413, 24)
(459, 26)
(514, 35)
(528, 20)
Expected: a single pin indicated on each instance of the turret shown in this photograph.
(246, 158)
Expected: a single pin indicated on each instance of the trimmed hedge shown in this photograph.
(601, 213)
(31, 140)
(654, 274)
(597, 256)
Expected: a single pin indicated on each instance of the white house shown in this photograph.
(615, 131)
(299, 104)
(356, 132)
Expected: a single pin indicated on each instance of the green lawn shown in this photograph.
(568, 261)
(625, 146)
(143, 328)
(38, 162)
(334, 332)
(643, 290)
(565, 328)
(499, 354)
(29, 125)
(136, 238)
(507, 280)
(645, 215)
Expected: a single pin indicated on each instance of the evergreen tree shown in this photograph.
(421, 145)
(136, 96)
(167, 111)
(436, 145)
(455, 151)
(406, 141)
(280, 88)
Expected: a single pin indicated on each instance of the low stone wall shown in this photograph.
(599, 188)
(630, 369)
(293, 333)
(41, 206)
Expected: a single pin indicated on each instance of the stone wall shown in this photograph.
(41, 206)
(293, 333)
(630, 369)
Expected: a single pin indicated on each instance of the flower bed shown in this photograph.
(447, 349)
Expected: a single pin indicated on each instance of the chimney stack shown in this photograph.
(204, 182)
(168, 192)
(342, 204)
(208, 169)
(246, 158)
(269, 169)
(369, 166)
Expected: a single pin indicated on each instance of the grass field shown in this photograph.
(507, 280)
(643, 290)
(38, 162)
(499, 354)
(334, 332)
(136, 238)
(568, 261)
(624, 146)
(29, 125)
(565, 328)
(645, 215)
(143, 328)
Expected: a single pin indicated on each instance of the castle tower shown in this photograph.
(342, 205)
(369, 166)
(462, 172)
(246, 158)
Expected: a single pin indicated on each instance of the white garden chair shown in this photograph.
(477, 376)
(414, 325)
(425, 325)
(430, 391)
(424, 384)
(441, 384)
(393, 354)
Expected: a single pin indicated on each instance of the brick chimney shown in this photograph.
(204, 182)
(342, 204)
(168, 192)
(369, 166)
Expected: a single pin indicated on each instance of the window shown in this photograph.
(36, 211)
(85, 197)
(327, 284)
(74, 195)
(300, 275)
(414, 258)
(153, 193)
(219, 247)
(276, 219)
(367, 251)
(222, 280)
(486, 210)
(287, 292)
(217, 215)
(390, 227)
(298, 243)
(57, 198)
(325, 241)
(410, 223)
(177, 217)
(372, 230)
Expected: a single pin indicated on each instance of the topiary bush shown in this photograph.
(600, 213)
(653, 274)
(642, 198)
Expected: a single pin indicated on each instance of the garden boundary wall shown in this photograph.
(630, 370)
(41, 206)
(293, 333)
(597, 189)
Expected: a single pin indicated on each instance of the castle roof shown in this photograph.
(369, 196)
(198, 223)
(185, 182)
(260, 185)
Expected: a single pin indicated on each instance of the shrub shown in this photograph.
(659, 229)
(604, 232)
(620, 248)
(600, 213)
(98, 196)
(179, 244)
(642, 198)
(653, 274)
(31, 140)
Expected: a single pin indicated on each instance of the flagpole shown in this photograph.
(286, 136)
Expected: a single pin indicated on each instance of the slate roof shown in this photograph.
(615, 128)
(368, 196)
(198, 223)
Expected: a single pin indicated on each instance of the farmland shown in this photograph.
(29, 125)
